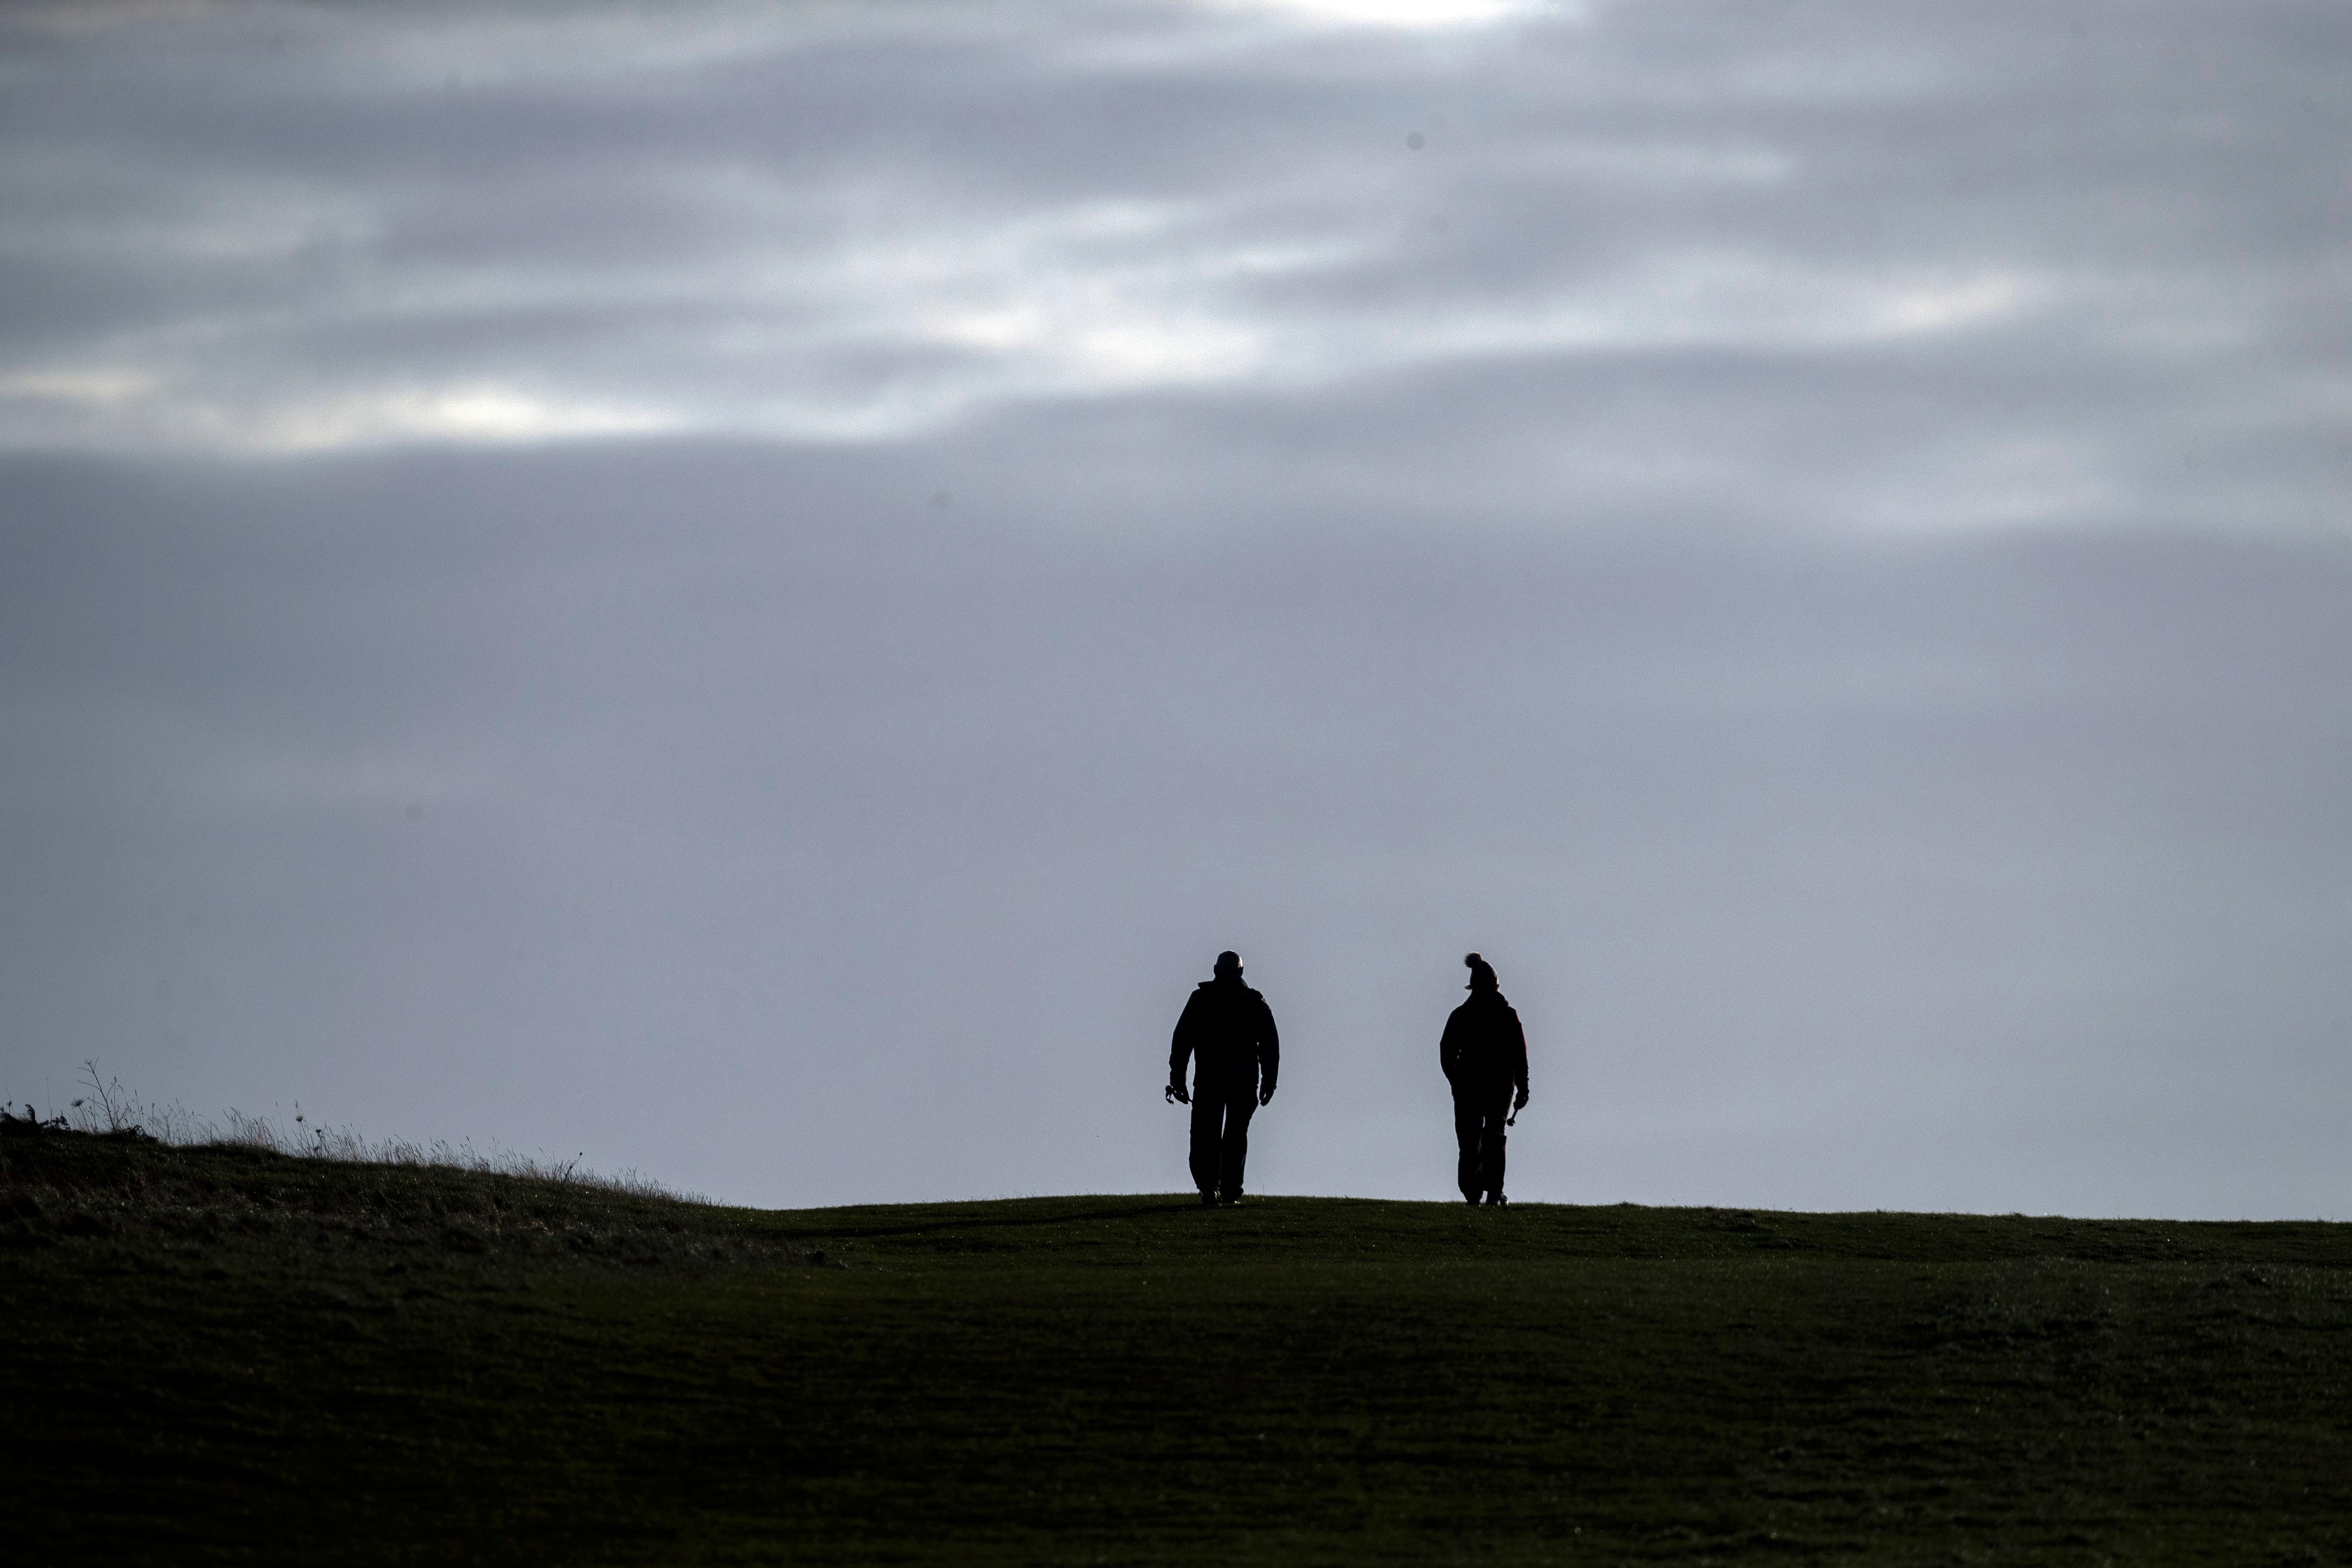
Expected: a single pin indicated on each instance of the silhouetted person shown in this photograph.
(1485, 1054)
(1227, 1031)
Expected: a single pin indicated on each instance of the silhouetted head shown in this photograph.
(1229, 966)
(1482, 974)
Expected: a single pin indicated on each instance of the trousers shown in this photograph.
(1221, 1118)
(1478, 1122)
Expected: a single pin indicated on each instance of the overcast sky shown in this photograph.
(756, 591)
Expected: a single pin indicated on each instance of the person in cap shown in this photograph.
(1227, 1032)
(1485, 1054)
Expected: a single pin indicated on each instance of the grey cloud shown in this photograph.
(901, 227)
(1826, 565)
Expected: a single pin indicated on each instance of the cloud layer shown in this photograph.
(2056, 267)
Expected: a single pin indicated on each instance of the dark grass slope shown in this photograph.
(222, 1355)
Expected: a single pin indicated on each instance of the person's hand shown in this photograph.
(1176, 1095)
(1266, 1097)
(1522, 1103)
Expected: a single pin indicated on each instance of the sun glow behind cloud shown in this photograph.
(1408, 15)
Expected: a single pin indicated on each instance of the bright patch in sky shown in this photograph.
(1409, 15)
(486, 414)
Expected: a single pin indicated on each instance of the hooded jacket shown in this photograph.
(1483, 1050)
(1229, 1030)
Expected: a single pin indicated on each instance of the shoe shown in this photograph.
(1470, 1198)
(1496, 1200)
(1208, 1197)
(1230, 1201)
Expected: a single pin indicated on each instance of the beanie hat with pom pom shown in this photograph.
(1482, 974)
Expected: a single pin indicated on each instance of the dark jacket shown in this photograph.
(1484, 1051)
(1229, 1028)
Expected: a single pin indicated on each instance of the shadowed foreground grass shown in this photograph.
(218, 1354)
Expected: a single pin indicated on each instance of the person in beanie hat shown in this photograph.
(1227, 1031)
(1485, 1054)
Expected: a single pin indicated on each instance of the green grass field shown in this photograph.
(217, 1354)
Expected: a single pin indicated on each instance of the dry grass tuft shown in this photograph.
(106, 1110)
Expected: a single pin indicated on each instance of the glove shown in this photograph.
(1522, 1103)
(1265, 1096)
(1176, 1095)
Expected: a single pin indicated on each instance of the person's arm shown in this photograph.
(1519, 1059)
(1449, 1045)
(1179, 1048)
(1269, 1052)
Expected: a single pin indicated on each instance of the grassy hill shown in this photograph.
(218, 1354)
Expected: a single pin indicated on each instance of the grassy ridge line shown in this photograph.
(217, 1355)
(88, 1185)
(1363, 1228)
